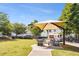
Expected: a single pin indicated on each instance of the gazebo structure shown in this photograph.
(50, 25)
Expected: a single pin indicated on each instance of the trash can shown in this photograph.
(40, 41)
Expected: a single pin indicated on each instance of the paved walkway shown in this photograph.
(40, 51)
(44, 51)
(73, 44)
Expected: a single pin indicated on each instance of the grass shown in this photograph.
(67, 50)
(19, 47)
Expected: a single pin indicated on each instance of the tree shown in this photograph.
(19, 28)
(66, 14)
(34, 29)
(70, 14)
(5, 26)
(33, 22)
(3, 19)
(75, 20)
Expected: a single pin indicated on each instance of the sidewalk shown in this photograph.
(73, 44)
(40, 51)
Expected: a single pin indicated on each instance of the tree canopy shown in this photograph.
(19, 28)
(5, 26)
(34, 29)
(70, 14)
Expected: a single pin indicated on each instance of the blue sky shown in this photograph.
(25, 13)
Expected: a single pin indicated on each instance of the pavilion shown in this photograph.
(52, 24)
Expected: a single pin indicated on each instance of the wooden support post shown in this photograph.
(63, 36)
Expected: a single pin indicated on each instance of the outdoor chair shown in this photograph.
(46, 42)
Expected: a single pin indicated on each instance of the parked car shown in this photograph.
(24, 36)
(5, 37)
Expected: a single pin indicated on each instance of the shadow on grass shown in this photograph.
(2, 40)
(70, 48)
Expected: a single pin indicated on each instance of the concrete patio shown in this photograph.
(40, 51)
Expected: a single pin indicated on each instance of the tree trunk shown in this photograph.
(16, 35)
(77, 37)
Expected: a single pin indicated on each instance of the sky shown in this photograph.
(27, 12)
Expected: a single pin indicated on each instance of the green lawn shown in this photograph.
(19, 47)
(66, 51)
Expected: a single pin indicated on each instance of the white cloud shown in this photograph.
(37, 9)
(47, 11)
